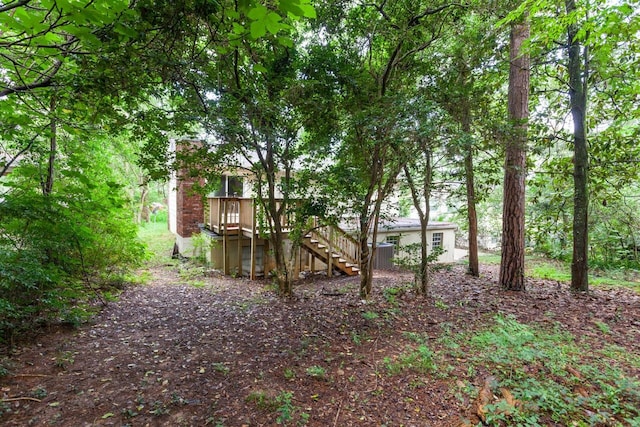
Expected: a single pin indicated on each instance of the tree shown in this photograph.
(419, 172)
(578, 72)
(256, 118)
(382, 43)
(512, 259)
(598, 58)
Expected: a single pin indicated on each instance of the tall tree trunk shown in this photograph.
(512, 262)
(578, 75)
(143, 213)
(423, 209)
(474, 265)
(460, 108)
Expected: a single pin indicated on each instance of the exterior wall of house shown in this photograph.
(412, 236)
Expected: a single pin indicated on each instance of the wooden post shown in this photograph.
(253, 241)
(225, 242)
(240, 236)
(330, 253)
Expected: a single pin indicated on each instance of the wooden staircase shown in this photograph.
(334, 247)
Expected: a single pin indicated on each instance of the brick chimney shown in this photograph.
(189, 205)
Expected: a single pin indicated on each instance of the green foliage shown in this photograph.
(316, 371)
(549, 379)
(60, 252)
(410, 258)
(282, 404)
(419, 360)
(285, 407)
(370, 315)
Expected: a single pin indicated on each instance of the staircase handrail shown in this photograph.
(339, 241)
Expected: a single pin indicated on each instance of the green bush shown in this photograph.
(59, 252)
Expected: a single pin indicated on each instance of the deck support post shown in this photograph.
(240, 235)
(253, 243)
(225, 241)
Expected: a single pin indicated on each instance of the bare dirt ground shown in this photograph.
(228, 352)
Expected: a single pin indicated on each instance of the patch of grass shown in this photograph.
(39, 392)
(220, 367)
(614, 282)
(285, 407)
(359, 338)
(549, 271)
(158, 408)
(419, 360)
(604, 328)
(189, 271)
(289, 373)
(416, 337)
(439, 304)
(262, 400)
(550, 379)
(282, 404)
(5, 365)
(392, 294)
(316, 371)
(487, 258)
(370, 315)
(159, 241)
(64, 359)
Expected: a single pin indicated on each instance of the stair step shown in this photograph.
(313, 240)
(321, 246)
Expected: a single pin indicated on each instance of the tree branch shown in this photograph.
(45, 82)
(15, 5)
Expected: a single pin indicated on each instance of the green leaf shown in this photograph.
(285, 41)
(308, 11)
(259, 68)
(273, 23)
(258, 13)
(238, 29)
(258, 29)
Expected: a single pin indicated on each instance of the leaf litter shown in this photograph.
(231, 353)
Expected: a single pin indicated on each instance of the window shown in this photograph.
(230, 186)
(395, 241)
(436, 240)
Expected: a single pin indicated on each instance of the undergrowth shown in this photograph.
(551, 378)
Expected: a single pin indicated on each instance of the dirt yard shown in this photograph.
(227, 352)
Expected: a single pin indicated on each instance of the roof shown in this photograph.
(413, 224)
(405, 224)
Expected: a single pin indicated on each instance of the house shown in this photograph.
(407, 231)
(227, 223)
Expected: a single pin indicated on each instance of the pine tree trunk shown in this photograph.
(512, 262)
(578, 75)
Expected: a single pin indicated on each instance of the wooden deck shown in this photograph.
(235, 218)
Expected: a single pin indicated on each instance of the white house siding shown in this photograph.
(408, 231)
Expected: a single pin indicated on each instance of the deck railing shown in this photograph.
(232, 214)
(339, 241)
